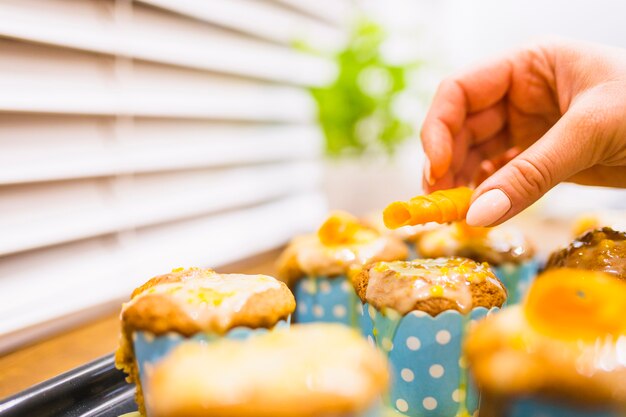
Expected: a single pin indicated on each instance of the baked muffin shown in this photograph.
(316, 266)
(506, 249)
(311, 370)
(561, 353)
(195, 303)
(408, 234)
(417, 312)
(597, 250)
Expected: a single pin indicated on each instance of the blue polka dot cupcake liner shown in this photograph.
(517, 279)
(324, 299)
(429, 374)
(150, 349)
(534, 407)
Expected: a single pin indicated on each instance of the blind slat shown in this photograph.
(332, 11)
(171, 148)
(260, 103)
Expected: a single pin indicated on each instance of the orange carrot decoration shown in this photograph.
(441, 206)
(576, 304)
(339, 228)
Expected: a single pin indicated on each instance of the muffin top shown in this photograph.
(497, 245)
(429, 285)
(341, 243)
(195, 300)
(597, 250)
(307, 371)
(566, 341)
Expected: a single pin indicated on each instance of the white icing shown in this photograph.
(312, 256)
(424, 279)
(211, 297)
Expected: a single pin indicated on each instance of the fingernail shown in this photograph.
(427, 175)
(488, 208)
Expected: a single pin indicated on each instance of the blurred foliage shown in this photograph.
(356, 110)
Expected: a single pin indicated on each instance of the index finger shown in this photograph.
(456, 98)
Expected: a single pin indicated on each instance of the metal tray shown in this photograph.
(96, 389)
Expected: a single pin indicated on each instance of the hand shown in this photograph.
(552, 112)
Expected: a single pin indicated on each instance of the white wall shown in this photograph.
(472, 30)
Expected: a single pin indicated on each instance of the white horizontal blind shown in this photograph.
(136, 137)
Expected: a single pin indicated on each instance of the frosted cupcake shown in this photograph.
(417, 312)
(597, 250)
(507, 250)
(561, 353)
(408, 234)
(314, 370)
(316, 266)
(198, 304)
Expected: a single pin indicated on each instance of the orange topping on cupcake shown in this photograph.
(441, 206)
(342, 228)
(574, 304)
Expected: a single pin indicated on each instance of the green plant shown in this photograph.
(356, 110)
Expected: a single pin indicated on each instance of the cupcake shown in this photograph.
(561, 353)
(198, 304)
(417, 312)
(407, 234)
(507, 250)
(597, 250)
(316, 266)
(314, 370)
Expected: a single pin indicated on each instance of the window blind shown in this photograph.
(137, 137)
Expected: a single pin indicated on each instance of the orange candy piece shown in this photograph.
(441, 206)
(340, 228)
(574, 304)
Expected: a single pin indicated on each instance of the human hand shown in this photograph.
(552, 112)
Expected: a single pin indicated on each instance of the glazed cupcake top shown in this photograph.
(307, 371)
(341, 243)
(568, 340)
(597, 250)
(497, 245)
(429, 285)
(195, 299)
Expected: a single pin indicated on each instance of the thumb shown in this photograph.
(566, 149)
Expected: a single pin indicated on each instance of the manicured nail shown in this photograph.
(488, 208)
(427, 174)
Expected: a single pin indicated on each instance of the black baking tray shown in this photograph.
(96, 389)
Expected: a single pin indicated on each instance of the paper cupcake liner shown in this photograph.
(323, 299)
(150, 349)
(516, 279)
(531, 407)
(429, 375)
